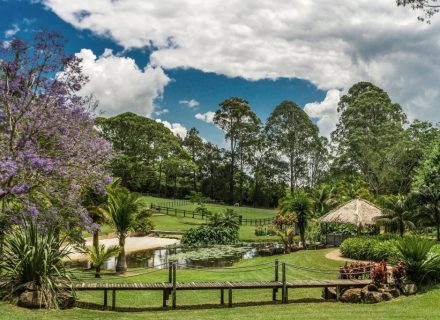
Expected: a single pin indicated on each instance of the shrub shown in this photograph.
(422, 265)
(379, 273)
(228, 219)
(208, 235)
(265, 231)
(143, 222)
(355, 270)
(97, 256)
(34, 260)
(370, 248)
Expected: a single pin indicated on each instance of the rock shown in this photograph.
(373, 297)
(352, 295)
(372, 287)
(31, 299)
(386, 296)
(66, 300)
(395, 292)
(329, 293)
(409, 288)
(364, 291)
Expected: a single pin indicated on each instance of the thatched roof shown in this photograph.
(359, 212)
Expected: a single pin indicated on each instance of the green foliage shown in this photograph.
(34, 260)
(398, 213)
(228, 219)
(367, 131)
(294, 134)
(428, 173)
(265, 231)
(338, 228)
(143, 223)
(97, 256)
(298, 203)
(208, 236)
(370, 248)
(196, 197)
(122, 208)
(422, 265)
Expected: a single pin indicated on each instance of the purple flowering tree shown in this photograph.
(49, 148)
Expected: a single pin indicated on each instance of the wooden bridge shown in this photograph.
(171, 287)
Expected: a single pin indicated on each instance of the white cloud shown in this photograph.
(176, 128)
(207, 116)
(325, 112)
(161, 112)
(190, 103)
(333, 44)
(120, 85)
(13, 31)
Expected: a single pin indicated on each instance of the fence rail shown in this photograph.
(202, 216)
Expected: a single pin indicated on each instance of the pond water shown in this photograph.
(159, 258)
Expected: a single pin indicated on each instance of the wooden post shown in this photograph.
(165, 298)
(222, 296)
(284, 290)
(174, 285)
(105, 298)
(230, 298)
(338, 293)
(275, 290)
(240, 218)
(113, 299)
(170, 272)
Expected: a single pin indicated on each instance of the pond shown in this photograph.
(223, 256)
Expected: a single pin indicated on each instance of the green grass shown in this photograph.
(246, 212)
(249, 304)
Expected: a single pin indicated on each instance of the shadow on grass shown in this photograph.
(95, 306)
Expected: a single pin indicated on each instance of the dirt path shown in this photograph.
(337, 256)
(132, 244)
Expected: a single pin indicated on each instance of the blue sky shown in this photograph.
(165, 54)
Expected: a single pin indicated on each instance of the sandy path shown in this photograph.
(132, 244)
(337, 256)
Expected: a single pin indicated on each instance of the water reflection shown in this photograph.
(159, 258)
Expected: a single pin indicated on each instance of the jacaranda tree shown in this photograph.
(49, 148)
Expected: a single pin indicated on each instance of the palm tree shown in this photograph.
(298, 203)
(324, 198)
(398, 213)
(429, 198)
(99, 255)
(122, 208)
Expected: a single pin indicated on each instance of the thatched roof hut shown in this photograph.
(358, 212)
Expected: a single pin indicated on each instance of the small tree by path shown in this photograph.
(298, 203)
(98, 255)
(398, 213)
(122, 208)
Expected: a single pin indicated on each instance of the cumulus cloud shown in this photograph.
(190, 103)
(207, 116)
(176, 128)
(119, 84)
(333, 44)
(325, 112)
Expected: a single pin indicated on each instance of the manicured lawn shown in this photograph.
(246, 212)
(250, 304)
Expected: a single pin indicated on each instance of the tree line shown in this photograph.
(373, 146)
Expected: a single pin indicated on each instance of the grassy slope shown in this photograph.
(170, 223)
(304, 304)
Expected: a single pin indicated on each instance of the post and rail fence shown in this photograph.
(201, 215)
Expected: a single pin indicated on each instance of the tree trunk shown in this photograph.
(159, 190)
(96, 239)
(98, 272)
(231, 178)
(121, 265)
(402, 229)
(291, 173)
(303, 237)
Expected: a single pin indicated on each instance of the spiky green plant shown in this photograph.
(35, 260)
(97, 256)
(421, 264)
